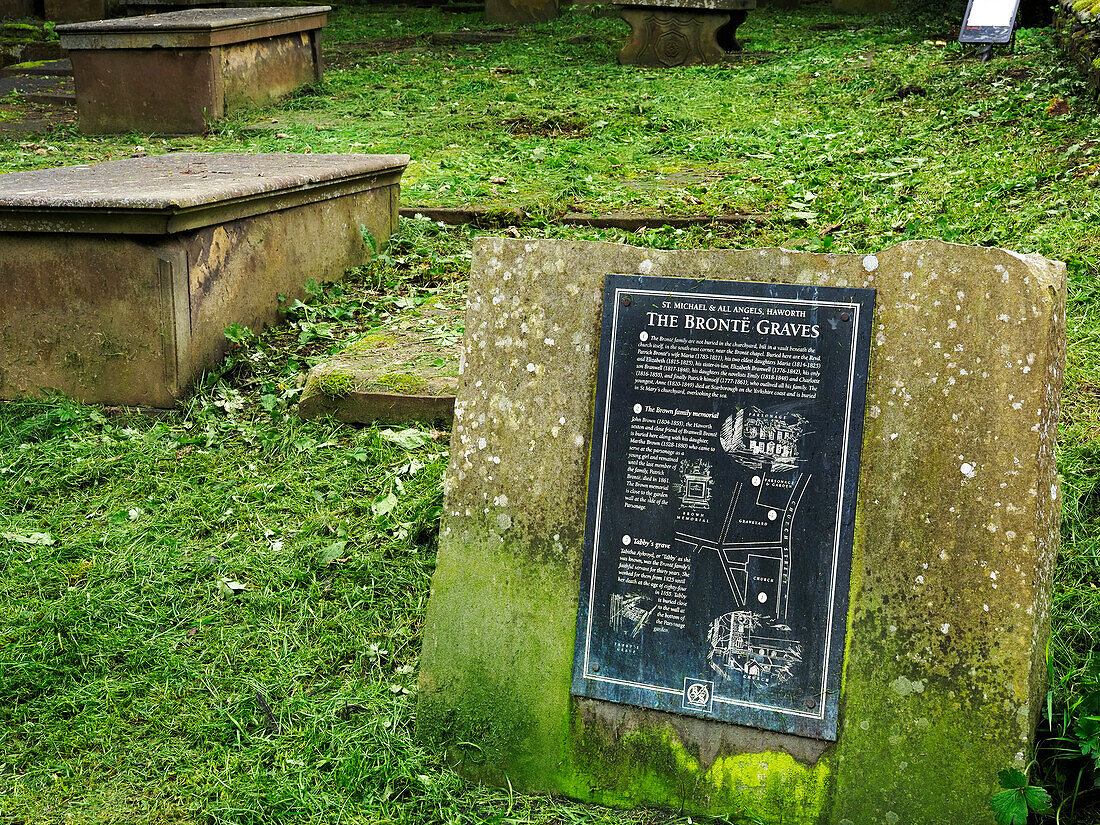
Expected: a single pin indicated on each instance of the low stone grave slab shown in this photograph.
(180, 71)
(633, 457)
(682, 32)
(120, 278)
(403, 372)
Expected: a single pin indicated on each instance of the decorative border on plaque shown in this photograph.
(721, 499)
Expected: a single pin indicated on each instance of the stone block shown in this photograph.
(956, 531)
(405, 371)
(120, 278)
(180, 71)
(1078, 33)
(521, 11)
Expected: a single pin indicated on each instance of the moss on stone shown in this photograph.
(30, 64)
(408, 383)
(374, 340)
(954, 541)
(334, 382)
(650, 765)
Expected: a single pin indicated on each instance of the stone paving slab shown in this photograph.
(27, 118)
(404, 372)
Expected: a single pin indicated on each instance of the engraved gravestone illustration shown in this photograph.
(721, 499)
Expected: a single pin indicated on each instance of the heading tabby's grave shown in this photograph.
(753, 637)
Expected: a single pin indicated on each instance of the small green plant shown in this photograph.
(239, 335)
(1018, 799)
(1067, 759)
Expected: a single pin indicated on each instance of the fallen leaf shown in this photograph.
(383, 505)
(409, 438)
(229, 588)
(44, 539)
(329, 554)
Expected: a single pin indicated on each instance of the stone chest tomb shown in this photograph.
(952, 537)
(180, 71)
(118, 279)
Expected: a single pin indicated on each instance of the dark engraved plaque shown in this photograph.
(721, 499)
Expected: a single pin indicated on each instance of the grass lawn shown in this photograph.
(214, 616)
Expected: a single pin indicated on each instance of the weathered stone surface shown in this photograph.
(119, 291)
(178, 72)
(705, 5)
(192, 28)
(671, 33)
(182, 190)
(405, 371)
(520, 11)
(1078, 32)
(956, 531)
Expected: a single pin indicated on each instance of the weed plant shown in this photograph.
(213, 615)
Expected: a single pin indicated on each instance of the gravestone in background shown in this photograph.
(180, 71)
(521, 11)
(954, 535)
(682, 32)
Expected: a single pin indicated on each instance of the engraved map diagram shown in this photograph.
(753, 542)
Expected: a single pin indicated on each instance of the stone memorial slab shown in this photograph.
(120, 278)
(180, 71)
(717, 561)
(405, 371)
(954, 535)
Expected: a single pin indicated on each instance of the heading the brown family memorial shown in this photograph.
(721, 499)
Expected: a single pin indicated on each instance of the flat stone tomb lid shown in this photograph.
(194, 28)
(183, 190)
(695, 5)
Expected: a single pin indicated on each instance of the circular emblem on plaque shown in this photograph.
(698, 694)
